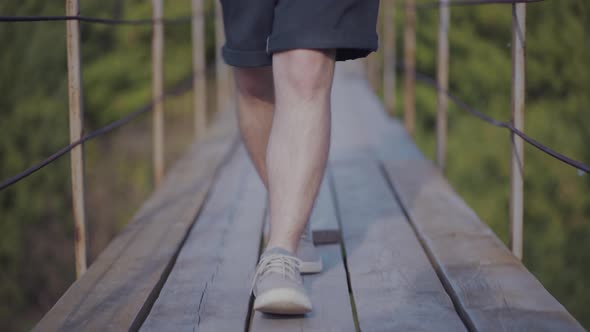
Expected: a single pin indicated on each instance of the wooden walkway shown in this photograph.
(412, 256)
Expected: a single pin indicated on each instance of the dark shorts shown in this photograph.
(255, 29)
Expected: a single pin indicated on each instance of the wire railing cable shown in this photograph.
(97, 20)
(181, 87)
(461, 104)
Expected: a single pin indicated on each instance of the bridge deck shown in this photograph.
(410, 255)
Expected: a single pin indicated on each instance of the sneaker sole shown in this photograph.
(284, 301)
(311, 267)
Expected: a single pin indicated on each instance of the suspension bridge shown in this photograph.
(402, 251)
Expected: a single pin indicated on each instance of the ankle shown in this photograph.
(290, 249)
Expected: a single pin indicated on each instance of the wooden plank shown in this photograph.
(328, 289)
(491, 288)
(217, 259)
(324, 223)
(395, 288)
(118, 289)
(329, 295)
(360, 125)
(76, 121)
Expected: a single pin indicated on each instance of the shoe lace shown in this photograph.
(286, 266)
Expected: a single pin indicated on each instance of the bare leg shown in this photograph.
(256, 102)
(255, 88)
(299, 140)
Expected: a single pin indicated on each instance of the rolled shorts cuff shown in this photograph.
(348, 45)
(239, 58)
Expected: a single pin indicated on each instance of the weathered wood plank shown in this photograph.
(329, 295)
(118, 289)
(208, 288)
(492, 289)
(360, 125)
(324, 223)
(394, 286)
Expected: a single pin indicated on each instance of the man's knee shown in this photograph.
(305, 72)
(255, 83)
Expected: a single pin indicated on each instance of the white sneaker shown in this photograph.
(278, 286)
(311, 261)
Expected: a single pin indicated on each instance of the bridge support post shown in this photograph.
(199, 74)
(442, 78)
(518, 107)
(374, 59)
(222, 73)
(158, 90)
(389, 58)
(76, 132)
(410, 66)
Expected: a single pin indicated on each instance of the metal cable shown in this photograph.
(574, 163)
(179, 88)
(89, 19)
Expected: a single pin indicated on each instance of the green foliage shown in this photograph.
(36, 227)
(557, 199)
(36, 240)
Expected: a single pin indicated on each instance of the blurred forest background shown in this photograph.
(36, 227)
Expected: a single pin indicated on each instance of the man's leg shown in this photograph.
(295, 161)
(299, 140)
(256, 103)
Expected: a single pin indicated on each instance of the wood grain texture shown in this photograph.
(76, 122)
(324, 223)
(492, 289)
(395, 288)
(119, 287)
(208, 288)
(360, 125)
(389, 260)
(329, 295)
(518, 108)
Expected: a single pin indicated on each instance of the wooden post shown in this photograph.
(389, 58)
(199, 74)
(372, 70)
(76, 132)
(442, 78)
(518, 106)
(410, 66)
(158, 90)
(375, 59)
(221, 70)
